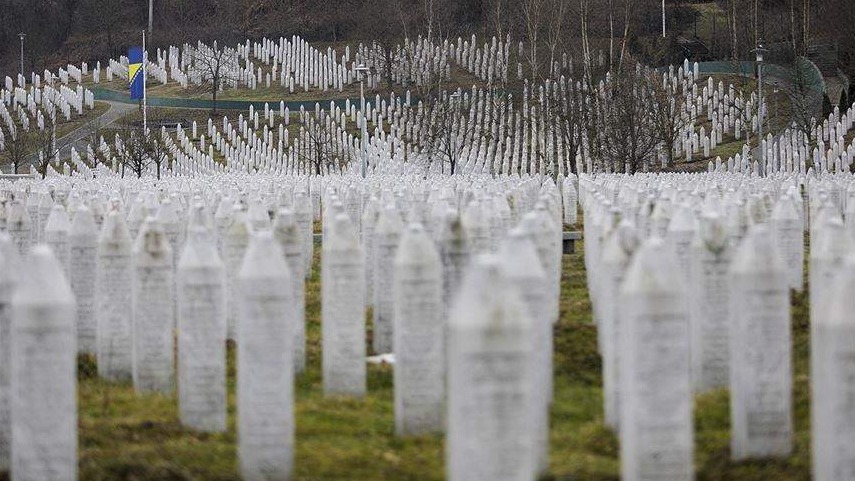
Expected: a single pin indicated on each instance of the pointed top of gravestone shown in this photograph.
(42, 280)
(416, 248)
(83, 223)
(833, 240)
(683, 219)
(785, 209)
(58, 220)
(198, 218)
(151, 244)
(264, 259)
(257, 216)
(115, 231)
(758, 253)
(389, 221)
(10, 263)
(487, 299)
(653, 269)
(166, 215)
(712, 231)
(199, 250)
(518, 253)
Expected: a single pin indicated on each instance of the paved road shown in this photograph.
(78, 138)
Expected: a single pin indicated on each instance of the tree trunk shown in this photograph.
(793, 35)
(733, 42)
(611, 35)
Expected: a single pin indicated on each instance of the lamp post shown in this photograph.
(361, 69)
(759, 51)
(21, 36)
(775, 92)
(663, 18)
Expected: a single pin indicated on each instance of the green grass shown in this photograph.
(124, 436)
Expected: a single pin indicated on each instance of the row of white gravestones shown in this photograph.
(735, 300)
(137, 274)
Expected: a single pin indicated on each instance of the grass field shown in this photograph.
(124, 436)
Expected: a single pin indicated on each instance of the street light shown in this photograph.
(21, 36)
(775, 92)
(360, 69)
(759, 51)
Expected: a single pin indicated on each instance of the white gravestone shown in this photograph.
(788, 234)
(343, 311)
(832, 247)
(18, 225)
(760, 377)
(710, 321)
(234, 245)
(265, 363)
(833, 426)
(10, 270)
(288, 235)
(113, 297)
(454, 251)
(386, 238)
(489, 379)
(523, 270)
(656, 428)
(154, 361)
(201, 334)
(83, 259)
(616, 254)
(370, 216)
(56, 232)
(419, 346)
(44, 373)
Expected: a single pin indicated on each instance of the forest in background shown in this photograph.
(63, 31)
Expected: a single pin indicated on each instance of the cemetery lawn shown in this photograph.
(128, 437)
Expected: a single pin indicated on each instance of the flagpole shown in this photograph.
(144, 113)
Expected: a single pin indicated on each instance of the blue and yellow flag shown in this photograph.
(135, 73)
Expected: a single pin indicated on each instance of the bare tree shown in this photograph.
(445, 130)
(213, 68)
(533, 19)
(46, 149)
(318, 148)
(138, 151)
(626, 129)
(18, 145)
(566, 113)
(668, 114)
